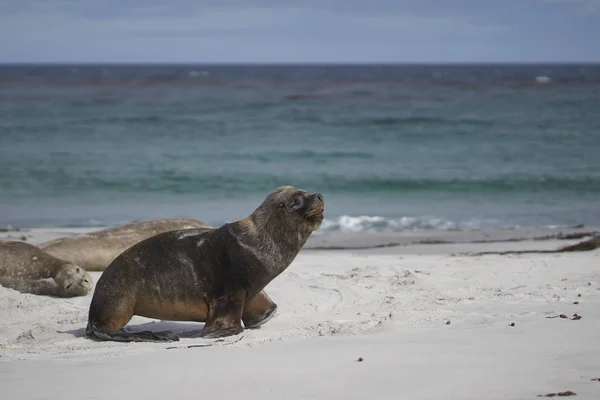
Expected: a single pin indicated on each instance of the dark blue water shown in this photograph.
(390, 147)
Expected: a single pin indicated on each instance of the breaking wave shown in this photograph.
(365, 224)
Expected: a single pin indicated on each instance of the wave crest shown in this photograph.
(365, 223)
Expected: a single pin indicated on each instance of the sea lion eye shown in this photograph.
(68, 286)
(77, 270)
(296, 204)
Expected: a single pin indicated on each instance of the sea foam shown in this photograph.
(365, 224)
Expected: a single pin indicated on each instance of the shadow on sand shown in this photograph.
(181, 329)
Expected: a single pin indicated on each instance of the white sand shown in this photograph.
(389, 306)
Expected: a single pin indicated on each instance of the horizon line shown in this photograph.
(308, 64)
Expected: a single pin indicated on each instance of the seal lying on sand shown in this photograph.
(201, 275)
(26, 268)
(95, 251)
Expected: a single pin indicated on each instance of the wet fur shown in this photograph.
(205, 275)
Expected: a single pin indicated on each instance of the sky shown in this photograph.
(300, 31)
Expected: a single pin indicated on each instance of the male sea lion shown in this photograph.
(95, 251)
(26, 268)
(209, 276)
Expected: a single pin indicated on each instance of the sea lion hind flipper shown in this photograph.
(258, 311)
(257, 322)
(124, 336)
(225, 315)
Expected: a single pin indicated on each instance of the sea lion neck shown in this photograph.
(281, 229)
(274, 240)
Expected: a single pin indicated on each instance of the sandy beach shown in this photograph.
(428, 321)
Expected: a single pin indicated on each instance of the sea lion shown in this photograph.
(26, 268)
(201, 275)
(94, 251)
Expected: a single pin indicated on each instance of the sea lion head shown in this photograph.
(74, 280)
(294, 208)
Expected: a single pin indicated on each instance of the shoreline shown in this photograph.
(539, 238)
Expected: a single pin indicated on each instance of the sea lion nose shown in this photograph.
(319, 196)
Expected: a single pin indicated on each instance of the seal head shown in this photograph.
(74, 280)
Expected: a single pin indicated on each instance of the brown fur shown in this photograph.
(26, 268)
(214, 276)
(96, 250)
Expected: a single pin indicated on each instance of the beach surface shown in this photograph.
(400, 315)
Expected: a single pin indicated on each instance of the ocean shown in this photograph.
(390, 147)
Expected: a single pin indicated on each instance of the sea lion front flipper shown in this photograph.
(225, 315)
(44, 287)
(258, 311)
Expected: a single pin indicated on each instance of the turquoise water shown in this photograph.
(390, 147)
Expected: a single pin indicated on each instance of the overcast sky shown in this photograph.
(311, 31)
